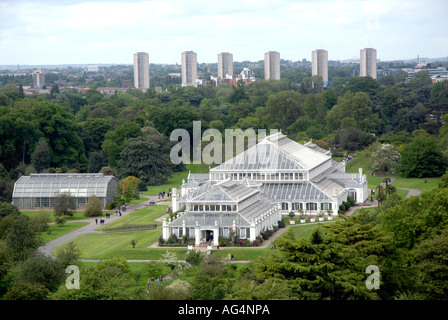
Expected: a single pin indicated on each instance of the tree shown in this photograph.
(357, 106)
(40, 221)
(60, 131)
(64, 204)
(27, 291)
(169, 258)
(42, 269)
(41, 157)
(384, 158)
(417, 218)
(284, 108)
(115, 140)
(144, 159)
(422, 158)
(362, 84)
(68, 254)
(431, 262)
(93, 207)
(128, 187)
(21, 238)
(8, 209)
(97, 160)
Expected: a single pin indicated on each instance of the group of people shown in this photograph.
(162, 194)
(155, 279)
(102, 221)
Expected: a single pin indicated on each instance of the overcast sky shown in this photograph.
(93, 32)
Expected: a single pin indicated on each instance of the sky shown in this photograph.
(110, 32)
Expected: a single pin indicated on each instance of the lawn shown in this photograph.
(77, 215)
(146, 215)
(362, 161)
(175, 181)
(56, 231)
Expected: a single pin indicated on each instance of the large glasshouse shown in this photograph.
(40, 190)
(250, 192)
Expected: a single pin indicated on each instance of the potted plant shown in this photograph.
(302, 217)
(321, 216)
(291, 217)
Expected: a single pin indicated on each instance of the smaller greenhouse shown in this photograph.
(39, 190)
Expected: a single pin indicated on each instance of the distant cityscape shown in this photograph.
(188, 75)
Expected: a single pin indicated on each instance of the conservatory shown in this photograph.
(39, 190)
(218, 209)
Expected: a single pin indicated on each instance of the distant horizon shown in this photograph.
(253, 61)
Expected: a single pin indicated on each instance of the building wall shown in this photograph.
(225, 64)
(189, 68)
(272, 65)
(367, 66)
(320, 64)
(141, 70)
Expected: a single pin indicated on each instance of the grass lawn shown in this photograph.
(362, 161)
(175, 180)
(77, 215)
(55, 231)
(146, 215)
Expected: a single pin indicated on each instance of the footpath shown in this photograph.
(92, 225)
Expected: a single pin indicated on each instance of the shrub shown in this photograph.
(93, 207)
(281, 224)
(194, 257)
(172, 239)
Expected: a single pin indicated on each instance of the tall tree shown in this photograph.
(41, 157)
(422, 158)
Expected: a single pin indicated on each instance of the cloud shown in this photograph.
(80, 31)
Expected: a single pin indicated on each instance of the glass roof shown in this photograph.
(276, 152)
(226, 191)
(300, 191)
(47, 185)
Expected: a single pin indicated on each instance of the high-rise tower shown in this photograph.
(272, 65)
(225, 64)
(141, 70)
(189, 68)
(320, 64)
(367, 65)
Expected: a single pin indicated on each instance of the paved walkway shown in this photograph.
(91, 227)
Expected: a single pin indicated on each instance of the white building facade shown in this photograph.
(251, 191)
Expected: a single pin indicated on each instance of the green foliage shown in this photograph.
(68, 254)
(64, 204)
(431, 263)
(145, 160)
(128, 187)
(21, 238)
(194, 257)
(41, 157)
(7, 209)
(417, 218)
(93, 207)
(422, 158)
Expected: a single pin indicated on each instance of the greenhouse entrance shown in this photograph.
(208, 236)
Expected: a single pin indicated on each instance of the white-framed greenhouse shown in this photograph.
(214, 210)
(39, 190)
